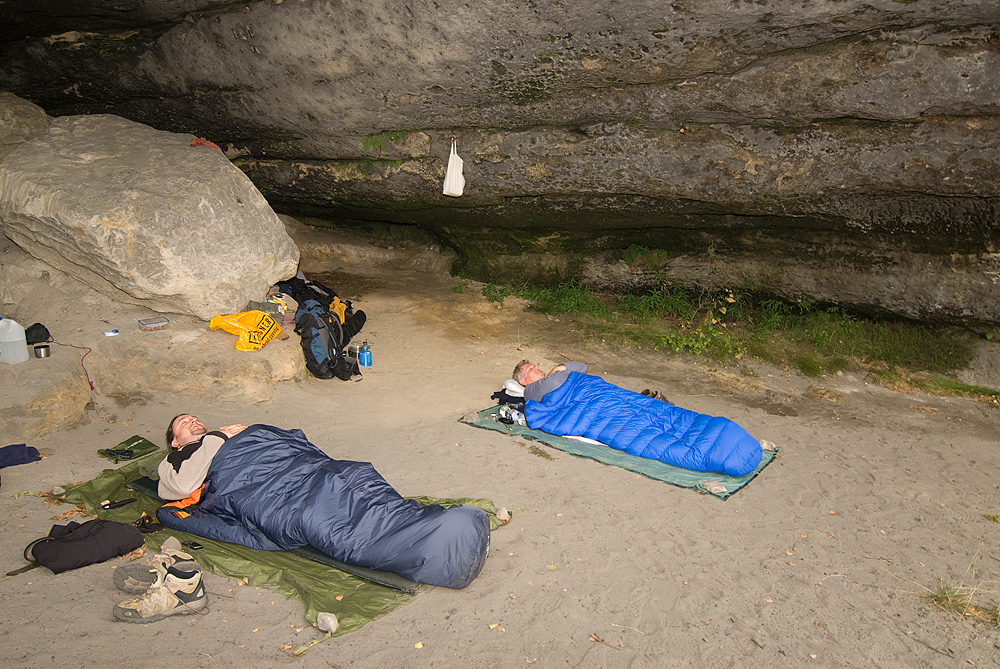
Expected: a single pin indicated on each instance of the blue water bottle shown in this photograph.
(365, 356)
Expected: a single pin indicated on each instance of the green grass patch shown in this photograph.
(946, 385)
(959, 601)
(733, 324)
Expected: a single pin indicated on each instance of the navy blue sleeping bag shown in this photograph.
(272, 489)
(589, 406)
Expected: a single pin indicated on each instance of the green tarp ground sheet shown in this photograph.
(316, 584)
(134, 447)
(717, 485)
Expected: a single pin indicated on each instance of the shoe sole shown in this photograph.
(186, 610)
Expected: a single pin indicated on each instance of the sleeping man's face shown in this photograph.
(187, 428)
(531, 373)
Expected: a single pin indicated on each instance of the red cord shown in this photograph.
(81, 359)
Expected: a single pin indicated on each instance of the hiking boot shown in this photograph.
(175, 592)
(656, 395)
(136, 578)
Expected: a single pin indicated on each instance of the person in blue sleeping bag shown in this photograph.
(271, 489)
(569, 402)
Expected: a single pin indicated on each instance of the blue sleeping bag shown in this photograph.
(589, 406)
(272, 489)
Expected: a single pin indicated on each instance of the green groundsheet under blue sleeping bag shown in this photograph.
(271, 489)
(716, 485)
(302, 575)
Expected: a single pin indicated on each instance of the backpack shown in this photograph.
(79, 544)
(323, 341)
(324, 335)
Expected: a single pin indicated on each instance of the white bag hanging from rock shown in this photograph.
(454, 181)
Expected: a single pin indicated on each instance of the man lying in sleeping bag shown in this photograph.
(569, 402)
(268, 488)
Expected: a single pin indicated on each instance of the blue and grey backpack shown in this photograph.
(324, 337)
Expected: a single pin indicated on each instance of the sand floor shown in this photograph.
(876, 498)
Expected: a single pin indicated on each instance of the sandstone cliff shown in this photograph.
(838, 149)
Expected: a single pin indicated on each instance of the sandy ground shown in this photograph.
(876, 497)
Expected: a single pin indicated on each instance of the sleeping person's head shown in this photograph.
(527, 372)
(184, 429)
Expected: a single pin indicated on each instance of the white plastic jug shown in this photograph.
(13, 345)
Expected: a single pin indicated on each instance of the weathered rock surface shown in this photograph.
(44, 396)
(847, 150)
(142, 216)
(20, 120)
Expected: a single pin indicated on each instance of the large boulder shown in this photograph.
(143, 216)
(20, 121)
(89, 375)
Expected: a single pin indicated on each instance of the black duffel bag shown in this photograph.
(78, 544)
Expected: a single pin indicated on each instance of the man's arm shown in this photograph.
(537, 390)
(184, 469)
(571, 366)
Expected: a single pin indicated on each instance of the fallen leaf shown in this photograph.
(286, 646)
(493, 626)
(812, 655)
(256, 629)
(418, 645)
(339, 598)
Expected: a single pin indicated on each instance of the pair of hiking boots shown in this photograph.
(168, 584)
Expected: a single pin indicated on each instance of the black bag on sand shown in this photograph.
(36, 334)
(78, 544)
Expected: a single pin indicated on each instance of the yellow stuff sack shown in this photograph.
(339, 308)
(254, 328)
